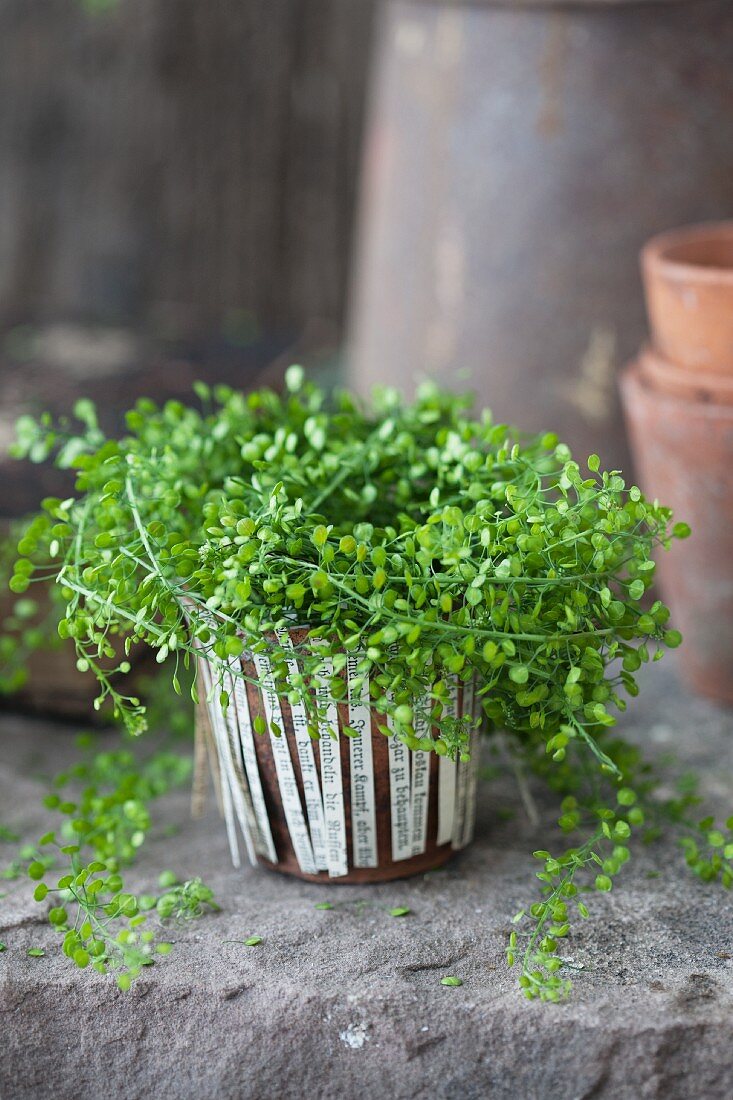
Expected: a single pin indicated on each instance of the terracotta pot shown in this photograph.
(685, 382)
(345, 809)
(683, 448)
(688, 280)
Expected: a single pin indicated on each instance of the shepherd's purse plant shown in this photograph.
(432, 545)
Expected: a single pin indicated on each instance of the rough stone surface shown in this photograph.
(348, 1002)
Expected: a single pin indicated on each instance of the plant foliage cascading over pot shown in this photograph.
(432, 544)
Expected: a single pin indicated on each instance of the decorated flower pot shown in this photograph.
(353, 805)
(349, 582)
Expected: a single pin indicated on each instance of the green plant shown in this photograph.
(434, 546)
(26, 625)
(103, 803)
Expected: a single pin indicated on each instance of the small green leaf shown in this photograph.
(35, 952)
(234, 647)
(320, 535)
(451, 981)
(399, 911)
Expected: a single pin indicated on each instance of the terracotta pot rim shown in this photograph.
(657, 255)
(656, 367)
(633, 374)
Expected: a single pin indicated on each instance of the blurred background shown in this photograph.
(380, 189)
(177, 191)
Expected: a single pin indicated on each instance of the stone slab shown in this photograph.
(348, 1002)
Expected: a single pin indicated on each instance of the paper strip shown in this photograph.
(420, 791)
(399, 797)
(308, 769)
(226, 797)
(463, 773)
(240, 790)
(419, 805)
(332, 780)
(287, 783)
(227, 778)
(265, 845)
(447, 780)
(234, 774)
(363, 810)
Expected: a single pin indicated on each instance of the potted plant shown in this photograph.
(357, 591)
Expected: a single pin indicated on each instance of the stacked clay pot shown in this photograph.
(678, 402)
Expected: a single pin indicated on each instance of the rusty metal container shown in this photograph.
(517, 157)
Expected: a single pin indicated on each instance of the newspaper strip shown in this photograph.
(227, 777)
(331, 778)
(399, 797)
(420, 788)
(308, 769)
(287, 783)
(240, 789)
(234, 776)
(447, 779)
(363, 809)
(265, 845)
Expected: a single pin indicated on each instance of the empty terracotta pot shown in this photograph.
(683, 447)
(688, 280)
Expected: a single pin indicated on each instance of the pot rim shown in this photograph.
(632, 375)
(660, 366)
(656, 258)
